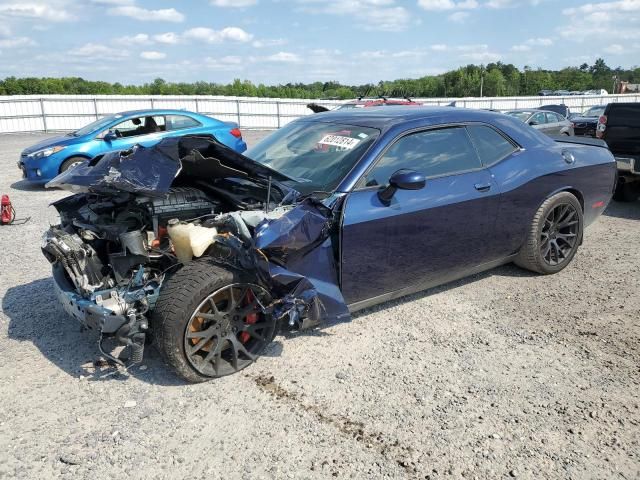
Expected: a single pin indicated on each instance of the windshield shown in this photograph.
(594, 112)
(520, 115)
(98, 125)
(318, 155)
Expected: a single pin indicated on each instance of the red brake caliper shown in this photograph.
(249, 320)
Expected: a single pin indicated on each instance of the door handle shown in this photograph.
(483, 187)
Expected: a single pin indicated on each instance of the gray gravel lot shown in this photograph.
(501, 375)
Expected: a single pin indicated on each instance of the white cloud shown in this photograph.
(209, 35)
(614, 49)
(168, 38)
(36, 11)
(602, 22)
(276, 42)
(113, 2)
(447, 4)
(16, 42)
(521, 48)
(98, 50)
(382, 15)
(152, 55)
(233, 3)
(145, 15)
(284, 57)
(540, 42)
(459, 17)
(138, 39)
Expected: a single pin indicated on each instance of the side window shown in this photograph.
(178, 122)
(140, 126)
(490, 144)
(432, 153)
(553, 117)
(539, 118)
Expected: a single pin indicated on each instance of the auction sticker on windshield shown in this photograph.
(339, 141)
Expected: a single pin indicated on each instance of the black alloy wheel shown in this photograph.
(559, 234)
(228, 330)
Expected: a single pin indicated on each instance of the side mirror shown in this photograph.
(401, 180)
(533, 122)
(110, 136)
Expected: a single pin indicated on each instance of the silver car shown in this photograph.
(547, 122)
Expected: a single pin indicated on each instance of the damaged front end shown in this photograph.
(142, 214)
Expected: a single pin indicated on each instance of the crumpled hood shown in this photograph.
(62, 140)
(152, 170)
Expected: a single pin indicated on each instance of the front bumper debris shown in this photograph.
(87, 311)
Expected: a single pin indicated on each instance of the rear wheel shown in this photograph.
(210, 322)
(71, 163)
(554, 235)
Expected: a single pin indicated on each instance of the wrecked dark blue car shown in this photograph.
(211, 252)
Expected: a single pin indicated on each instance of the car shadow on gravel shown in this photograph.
(36, 316)
(509, 270)
(629, 211)
(25, 186)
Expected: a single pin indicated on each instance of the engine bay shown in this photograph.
(141, 215)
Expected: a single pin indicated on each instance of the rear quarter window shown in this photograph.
(178, 122)
(491, 145)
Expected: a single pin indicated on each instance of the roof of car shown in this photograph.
(380, 117)
(157, 111)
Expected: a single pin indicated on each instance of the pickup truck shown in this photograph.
(619, 127)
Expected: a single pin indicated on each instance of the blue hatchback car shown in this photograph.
(45, 160)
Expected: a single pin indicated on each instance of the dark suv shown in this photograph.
(619, 126)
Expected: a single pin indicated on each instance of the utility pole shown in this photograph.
(481, 79)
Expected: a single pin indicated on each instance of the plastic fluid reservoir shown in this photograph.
(190, 240)
(201, 238)
(179, 235)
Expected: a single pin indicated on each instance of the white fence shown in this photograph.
(49, 113)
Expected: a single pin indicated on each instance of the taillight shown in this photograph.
(602, 126)
(236, 132)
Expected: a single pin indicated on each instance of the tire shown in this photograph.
(174, 317)
(626, 192)
(538, 252)
(71, 162)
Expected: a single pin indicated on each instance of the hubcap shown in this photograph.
(228, 330)
(559, 234)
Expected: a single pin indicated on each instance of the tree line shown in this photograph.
(495, 80)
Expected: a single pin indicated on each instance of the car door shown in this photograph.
(146, 130)
(424, 235)
(551, 125)
(539, 122)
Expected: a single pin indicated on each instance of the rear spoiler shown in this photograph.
(594, 142)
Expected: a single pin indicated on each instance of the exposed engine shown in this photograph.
(116, 250)
(144, 213)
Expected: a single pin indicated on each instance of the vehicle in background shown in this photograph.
(619, 126)
(585, 124)
(561, 93)
(362, 102)
(598, 92)
(545, 93)
(562, 109)
(45, 160)
(550, 123)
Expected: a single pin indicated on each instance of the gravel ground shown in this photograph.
(505, 374)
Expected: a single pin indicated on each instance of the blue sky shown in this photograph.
(279, 41)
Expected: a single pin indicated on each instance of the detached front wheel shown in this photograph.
(210, 322)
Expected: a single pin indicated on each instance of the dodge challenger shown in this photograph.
(208, 253)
